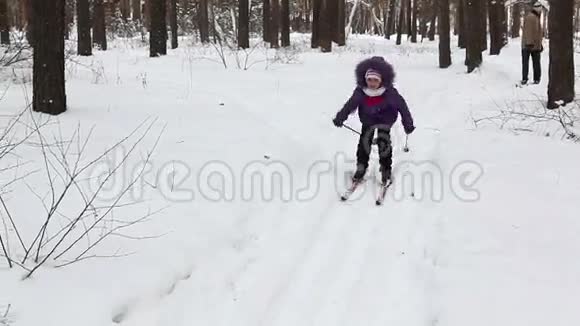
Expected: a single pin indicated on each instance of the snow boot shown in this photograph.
(359, 174)
(385, 175)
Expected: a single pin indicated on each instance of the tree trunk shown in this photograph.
(516, 20)
(28, 4)
(409, 17)
(374, 11)
(332, 13)
(461, 24)
(48, 82)
(503, 23)
(433, 27)
(316, 6)
(202, 20)
(391, 19)
(84, 42)
(341, 21)
(244, 24)
(173, 24)
(136, 9)
(69, 17)
(285, 17)
(325, 28)
(561, 74)
(275, 23)
(456, 20)
(444, 31)
(545, 24)
(125, 9)
(401, 21)
(307, 21)
(496, 23)
(414, 22)
(158, 33)
(423, 28)
(483, 21)
(4, 26)
(146, 14)
(473, 29)
(266, 21)
(99, 26)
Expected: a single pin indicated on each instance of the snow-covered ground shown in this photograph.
(485, 235)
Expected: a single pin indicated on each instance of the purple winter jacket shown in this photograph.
(385, 113)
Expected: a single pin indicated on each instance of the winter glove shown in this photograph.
(409, 130)
(337, 122)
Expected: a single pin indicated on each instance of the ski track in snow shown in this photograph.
(347, 266)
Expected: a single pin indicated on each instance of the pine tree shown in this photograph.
(516, 20)
(390, 28)
(244, 24)
(202, 20)
(84, 42)
(401, 21)
(158, 32)
(99, 25)
(173, 24)
(497, 24)
(275, 23)
(433, 24)
(136, 9)
(285, 16)
(561, 75)
(473, 31)
(414, 22)
(4, 26)
(444, 34)
(409, 17)
(461, 24)
(316, 7)
(483, 21)
(340, 25)
(48, 81)
(325, 28)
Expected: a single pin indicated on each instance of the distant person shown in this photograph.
(379, 105)
(532, 44)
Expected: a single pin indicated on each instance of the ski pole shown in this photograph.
(375, 140)
(406, 148)
(351, 129)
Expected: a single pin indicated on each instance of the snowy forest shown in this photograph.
(231, 24)
(289, 162)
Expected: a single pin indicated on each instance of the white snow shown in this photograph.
(492, 240)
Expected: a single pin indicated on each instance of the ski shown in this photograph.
(346, 195)
(383, 192)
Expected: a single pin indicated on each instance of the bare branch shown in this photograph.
(111, 173)
(12, 222)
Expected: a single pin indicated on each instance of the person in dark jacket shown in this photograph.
(532, 43)
(379, 105)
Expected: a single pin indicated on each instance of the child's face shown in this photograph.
(373, 83)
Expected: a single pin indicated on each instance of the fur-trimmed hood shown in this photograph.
(376, 63)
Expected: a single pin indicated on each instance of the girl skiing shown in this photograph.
(379, 105)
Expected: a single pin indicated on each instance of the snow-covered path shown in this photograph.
(433, 259)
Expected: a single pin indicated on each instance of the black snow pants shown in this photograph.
(383, 141)
(536, 56)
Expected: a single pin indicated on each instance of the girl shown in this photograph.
(379, 105)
